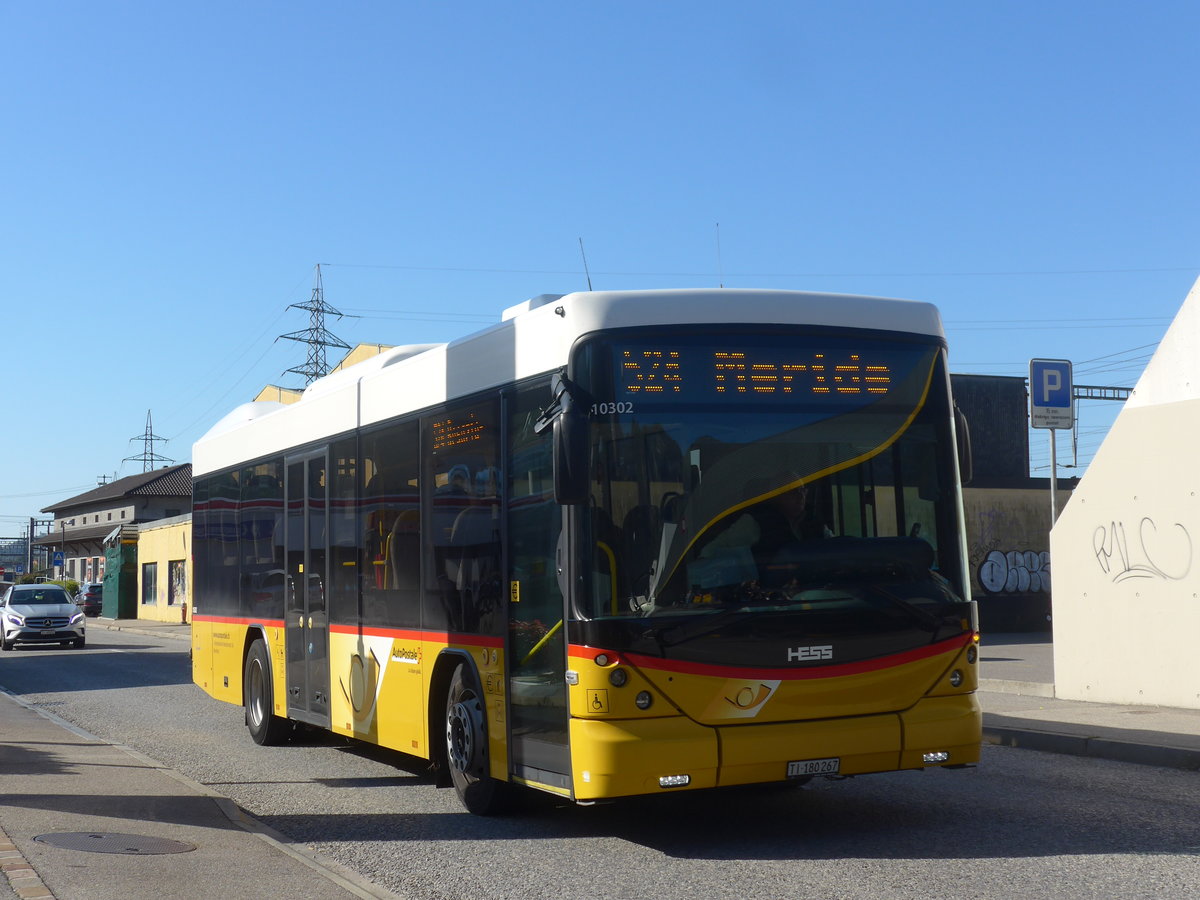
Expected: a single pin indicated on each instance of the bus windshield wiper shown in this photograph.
(754, 599)
(924, 615)
(680, 634)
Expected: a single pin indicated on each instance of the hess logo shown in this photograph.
(809, 654)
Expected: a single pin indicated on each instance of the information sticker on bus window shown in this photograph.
(804, 768)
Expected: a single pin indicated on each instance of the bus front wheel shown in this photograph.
(466, 748)
(265, 727)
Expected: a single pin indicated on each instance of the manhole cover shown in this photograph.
(134, 844)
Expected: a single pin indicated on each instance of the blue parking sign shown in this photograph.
(1050, 392)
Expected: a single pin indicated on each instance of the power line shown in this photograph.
(505, 271)
(78, 487)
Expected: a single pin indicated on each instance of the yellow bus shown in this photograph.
(619, 543)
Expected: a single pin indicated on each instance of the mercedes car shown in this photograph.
(40, 614)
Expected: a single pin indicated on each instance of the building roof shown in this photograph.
(172, 481)
(95, 533)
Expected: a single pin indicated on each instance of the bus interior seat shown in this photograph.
(404, 551)
(475, 543)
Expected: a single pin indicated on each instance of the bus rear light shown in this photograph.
(938, 756)
(670, 781)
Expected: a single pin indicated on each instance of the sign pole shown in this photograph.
(1053, 480)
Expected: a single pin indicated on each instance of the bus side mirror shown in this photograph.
(571, 457)
(962, 431)
(570, 440)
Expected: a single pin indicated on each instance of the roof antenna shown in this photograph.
(585, 266)
(720, 273)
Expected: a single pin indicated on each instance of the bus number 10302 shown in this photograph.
(612, 407)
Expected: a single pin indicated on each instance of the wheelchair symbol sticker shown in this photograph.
(597, 701)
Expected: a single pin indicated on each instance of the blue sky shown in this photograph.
(173, 173)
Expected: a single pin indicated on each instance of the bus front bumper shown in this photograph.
(628, 757)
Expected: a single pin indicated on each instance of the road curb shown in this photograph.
(184, 632)
(1024, 688)
(1093, 746)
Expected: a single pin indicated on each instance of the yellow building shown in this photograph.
(289, 395)
(164, 582)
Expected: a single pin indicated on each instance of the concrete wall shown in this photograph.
(1127, 548)
(1008, 550)
(168, 546)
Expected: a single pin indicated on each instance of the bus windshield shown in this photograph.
(749, 473)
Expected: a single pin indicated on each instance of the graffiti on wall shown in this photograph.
(1144, 551)
(1015, 572)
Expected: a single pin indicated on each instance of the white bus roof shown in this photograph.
(533, 337)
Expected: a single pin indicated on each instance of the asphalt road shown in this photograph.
(1022, 823)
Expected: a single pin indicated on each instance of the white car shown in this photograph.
(40, 614)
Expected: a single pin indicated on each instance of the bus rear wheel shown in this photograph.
(466, 749)
(265, 727)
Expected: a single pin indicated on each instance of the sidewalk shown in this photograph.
(83, 818)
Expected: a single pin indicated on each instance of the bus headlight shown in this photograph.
(618, 677)
(643, 700)
(956, 678)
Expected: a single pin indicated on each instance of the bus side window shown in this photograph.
(390, 526)
(462, 554)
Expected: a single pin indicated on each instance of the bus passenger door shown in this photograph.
(537, 656)
(306, 617)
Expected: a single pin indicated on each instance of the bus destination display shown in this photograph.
(730, 373)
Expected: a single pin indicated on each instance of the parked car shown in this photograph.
(91, 597)
(40, 614)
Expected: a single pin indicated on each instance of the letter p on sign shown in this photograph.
(1051, 383)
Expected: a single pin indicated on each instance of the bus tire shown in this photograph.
(466, 748)
(265, 727)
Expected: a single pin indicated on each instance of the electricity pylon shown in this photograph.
(317, 336)
(148, 457)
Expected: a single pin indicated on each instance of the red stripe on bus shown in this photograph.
(836, 670)
(410, 634)
(444, 637)
(234, 620)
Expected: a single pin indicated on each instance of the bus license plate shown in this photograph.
(800, 768)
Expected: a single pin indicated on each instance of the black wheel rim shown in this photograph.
(461, 735)
(255, 703)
